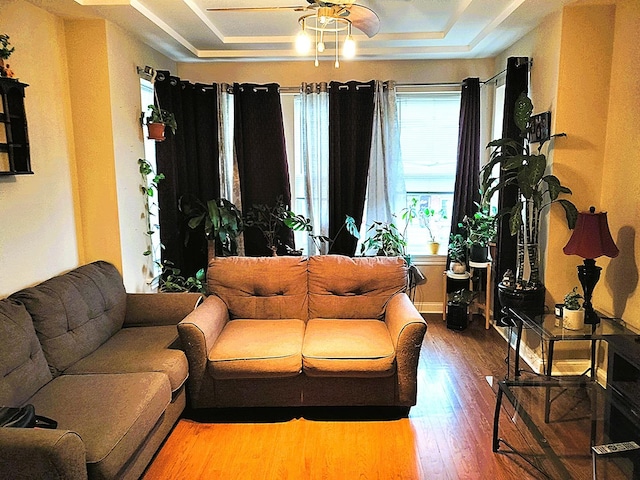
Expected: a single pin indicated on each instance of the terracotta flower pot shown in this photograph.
(156, 131)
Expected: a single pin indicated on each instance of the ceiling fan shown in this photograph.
(361, 17)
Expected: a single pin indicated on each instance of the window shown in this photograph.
(146, 98)
(429, 145)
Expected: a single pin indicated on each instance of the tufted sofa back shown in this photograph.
(324, 286)
(23, 368)
(73, 314)
(260, 287)
(360, 287)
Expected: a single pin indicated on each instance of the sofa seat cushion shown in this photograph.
(250, 348)
(138, 349)
(347, 348)
(112, 413)
(23, 368)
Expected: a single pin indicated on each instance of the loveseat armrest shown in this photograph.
(147, 309)
(42, 453)
(198, 332)
(407, 329)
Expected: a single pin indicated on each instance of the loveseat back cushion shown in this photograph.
(345, 287)
(23, 368)
(75, 313)
(260, 287)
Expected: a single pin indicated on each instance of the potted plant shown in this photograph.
(427, 214)
(5, 52)
(457, 252)
(157, 119)
(481, 231)
(537, 191)
(384, 239)
(572, 311)
(458, 308)
(300, 223)
(221, 221)
(270, 220)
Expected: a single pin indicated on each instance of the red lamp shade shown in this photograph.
(591, 238)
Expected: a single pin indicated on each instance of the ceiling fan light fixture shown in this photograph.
(326, 20)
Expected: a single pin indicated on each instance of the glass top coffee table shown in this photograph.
(557, 442)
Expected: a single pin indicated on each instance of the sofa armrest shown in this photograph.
(146, 309)
(407, 329)
(198, 332)
(42, 453)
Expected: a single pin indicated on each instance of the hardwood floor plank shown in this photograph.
(447, 435)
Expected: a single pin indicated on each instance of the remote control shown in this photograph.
(615, 447)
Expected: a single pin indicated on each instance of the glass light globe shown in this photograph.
(303, 42)
(321, 47)
(349, 48)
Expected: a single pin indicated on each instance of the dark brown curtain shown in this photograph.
(516, 82)
(262, 157)
(189, 161)
(467, 186)
(350, 127)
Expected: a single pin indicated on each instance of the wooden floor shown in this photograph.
(446, 436)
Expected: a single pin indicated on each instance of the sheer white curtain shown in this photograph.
(314, 148)
(386, 192)
(229, 180)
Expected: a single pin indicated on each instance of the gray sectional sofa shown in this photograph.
(103, 363)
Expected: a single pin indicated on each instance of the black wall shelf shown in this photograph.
(15, 156)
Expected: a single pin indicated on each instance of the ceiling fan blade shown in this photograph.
(364, 19)
(297, 8)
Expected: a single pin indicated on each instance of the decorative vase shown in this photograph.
(479, 253)
(156, 131)
(434, 247)
(529, 302)
(573, 319)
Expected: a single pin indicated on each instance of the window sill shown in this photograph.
(429, 260)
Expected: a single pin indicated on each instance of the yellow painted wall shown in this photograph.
(37, 229)
(92, 126)
(83, 104)
(582, 105)
(124, 54)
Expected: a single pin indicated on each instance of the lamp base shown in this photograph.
(589, 274)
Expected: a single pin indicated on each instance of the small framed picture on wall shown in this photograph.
(539, 128)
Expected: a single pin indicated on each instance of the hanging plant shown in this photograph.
(157, 119)
(149, 187)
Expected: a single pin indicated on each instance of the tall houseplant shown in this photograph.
(538, 190)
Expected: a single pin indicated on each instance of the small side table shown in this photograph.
(486, 305)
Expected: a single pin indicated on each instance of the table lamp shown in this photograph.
(590, 239)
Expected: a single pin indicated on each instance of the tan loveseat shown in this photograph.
(291, 331)
(103, 363)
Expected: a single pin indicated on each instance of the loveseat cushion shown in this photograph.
(250, 348)
(345, 287)
(138, 349)
(347, 348)
(73, 314)
(112, 413)
(260, 287)
(23, 368)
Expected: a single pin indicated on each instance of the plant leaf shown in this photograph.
(571, 212)
(522, 112)
(515, 218)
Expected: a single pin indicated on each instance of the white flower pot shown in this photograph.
(456, 267)
(573, 319)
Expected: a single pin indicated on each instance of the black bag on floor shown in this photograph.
(24, 417)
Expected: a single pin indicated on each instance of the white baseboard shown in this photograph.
(429, 307)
